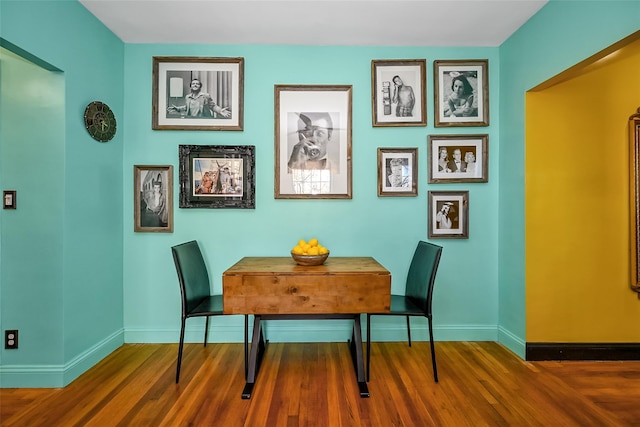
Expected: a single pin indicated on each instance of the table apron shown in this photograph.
(306, 294)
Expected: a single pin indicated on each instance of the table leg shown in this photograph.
(255, 356)
(357, 356)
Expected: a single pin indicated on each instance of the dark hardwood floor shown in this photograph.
(313, 384)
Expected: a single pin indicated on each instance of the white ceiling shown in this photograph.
(316, 22)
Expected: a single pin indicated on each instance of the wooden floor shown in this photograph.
(481, 384)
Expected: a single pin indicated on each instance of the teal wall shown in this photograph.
(560, 35)
(35, 171)
(386, 228)
(61, 250)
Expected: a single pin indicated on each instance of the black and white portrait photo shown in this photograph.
(313, 141)
(462, 93)
(397, 172)
(398, 88)
(198, 93)
(458, 158)
(153, 198)
(449, 214)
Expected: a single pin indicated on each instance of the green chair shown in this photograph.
(417, 298)
(197, 300)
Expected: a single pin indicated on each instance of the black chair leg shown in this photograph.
(433, 351)
(180, 352)
(368, 346)
(246, 345)
(409, 330)
(206, 330)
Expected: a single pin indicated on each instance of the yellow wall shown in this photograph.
(577, 203)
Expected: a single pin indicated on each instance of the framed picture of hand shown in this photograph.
(312, 142)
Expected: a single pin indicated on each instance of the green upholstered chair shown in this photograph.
(417, 298)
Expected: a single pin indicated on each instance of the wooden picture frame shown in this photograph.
(397, 172)
(470, 107)
(217, 176)
(634, 200)
(180, 104)
(153, 198)
(472, 152)
(448, 215)
(398, 89)
(313, 141)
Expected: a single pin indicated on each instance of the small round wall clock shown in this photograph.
(100, 121)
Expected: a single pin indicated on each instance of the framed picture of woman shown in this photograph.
(461, 93)
(448, 215)
(153, 198)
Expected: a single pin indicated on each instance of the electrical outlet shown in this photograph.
(11, 339)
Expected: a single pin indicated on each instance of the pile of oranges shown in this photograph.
(312, 247)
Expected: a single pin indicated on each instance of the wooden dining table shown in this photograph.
(276, 288)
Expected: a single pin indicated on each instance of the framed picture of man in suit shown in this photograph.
(153, 198)
(458, 158)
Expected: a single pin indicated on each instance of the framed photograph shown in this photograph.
(153, 198)
(461, 93)
(634, 200)
(398, 89)
(194, 93)
(313, 142)
(217, 176)
(458, 158)
(448, 215)
(397, 171)
(9, 200)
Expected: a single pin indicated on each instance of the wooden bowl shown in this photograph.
(310, 259)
